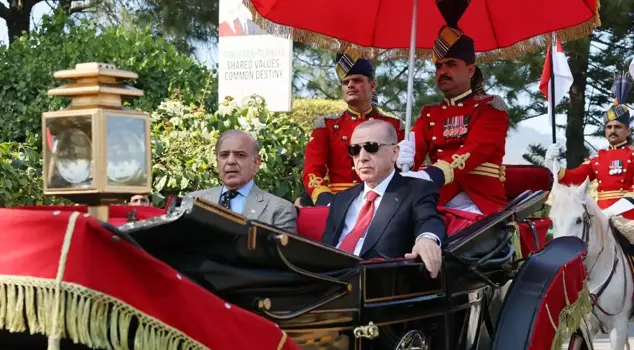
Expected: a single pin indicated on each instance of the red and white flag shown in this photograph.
(561, 71)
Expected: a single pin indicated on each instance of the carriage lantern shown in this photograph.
(96, 152)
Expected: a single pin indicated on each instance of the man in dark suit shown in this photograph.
(388, 215)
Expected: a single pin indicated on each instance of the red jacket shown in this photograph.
(327, 151)
(465, 138)
(614, 172)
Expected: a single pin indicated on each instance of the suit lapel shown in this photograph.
(392, 199)
(255, 204)
(352, 195)
(212, 195)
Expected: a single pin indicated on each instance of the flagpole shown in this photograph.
(551, 95)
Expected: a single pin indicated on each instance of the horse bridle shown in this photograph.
(594, 297)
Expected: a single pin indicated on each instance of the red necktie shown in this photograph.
(363, 222)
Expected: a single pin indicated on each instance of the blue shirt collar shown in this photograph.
(244, 190)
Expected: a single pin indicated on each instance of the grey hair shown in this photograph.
(390, 131)
(234, 132)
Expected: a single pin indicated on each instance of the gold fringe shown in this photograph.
(85, 316)
(515, 51)
(571, 317)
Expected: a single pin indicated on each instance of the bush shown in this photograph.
(305, 110)
(184, 137)
(28, 64)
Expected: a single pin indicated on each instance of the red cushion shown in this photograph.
(520, 178)
(117, 214)
(456, 220)
(311, 222)
(527, 237)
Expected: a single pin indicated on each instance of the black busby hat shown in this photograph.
(348, 62)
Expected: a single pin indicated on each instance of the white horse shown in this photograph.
(575, 213)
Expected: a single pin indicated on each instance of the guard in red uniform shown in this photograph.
(464, 135)
(328, 168)
(612, 167)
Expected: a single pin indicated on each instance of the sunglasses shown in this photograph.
(370, 147)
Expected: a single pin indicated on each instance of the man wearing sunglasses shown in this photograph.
(464, 135)
(327, 167)
(387, 215)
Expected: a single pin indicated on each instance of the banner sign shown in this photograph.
(252, 61)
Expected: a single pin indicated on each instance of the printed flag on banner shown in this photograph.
(561, 71)
(250, 61)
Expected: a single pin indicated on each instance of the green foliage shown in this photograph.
(28, 64)
(21, 180)
(304, 111)
(184, 139)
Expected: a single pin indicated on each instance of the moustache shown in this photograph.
(444, 77)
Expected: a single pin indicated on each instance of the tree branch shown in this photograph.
(4, 11)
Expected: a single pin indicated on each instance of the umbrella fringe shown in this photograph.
(320, 41)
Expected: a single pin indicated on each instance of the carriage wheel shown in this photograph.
(412, 340)
(577, 342)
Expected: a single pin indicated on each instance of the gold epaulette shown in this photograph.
(494, 101)
(320, 122)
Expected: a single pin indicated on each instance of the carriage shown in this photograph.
(208, 278)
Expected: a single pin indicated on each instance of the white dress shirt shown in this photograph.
(238, 202)
(355, 208)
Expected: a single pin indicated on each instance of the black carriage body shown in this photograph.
(315, 292)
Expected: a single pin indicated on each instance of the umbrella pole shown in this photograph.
(410, 73)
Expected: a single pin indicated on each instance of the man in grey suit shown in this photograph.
(238, 159)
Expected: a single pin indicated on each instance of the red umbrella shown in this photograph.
(500, 28)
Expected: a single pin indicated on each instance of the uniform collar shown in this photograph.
(619, 146)
(459, 98)
(361, 115)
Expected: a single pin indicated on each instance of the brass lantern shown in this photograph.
(96, 152)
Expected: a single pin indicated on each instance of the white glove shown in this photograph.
(417, 174)
(552, 153)
(406, 152)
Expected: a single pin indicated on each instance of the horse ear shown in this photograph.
(585, 187)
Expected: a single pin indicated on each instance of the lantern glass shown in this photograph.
(70, 162)
(126, 150)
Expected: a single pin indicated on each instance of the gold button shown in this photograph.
(428, 114)
(354, 118)
(432, 123)
(596, 163)
(371, 118)
(444, 107)
(621, 188)
(625, 170)
(476, 105)
(460, 104)
(336, 126)
(461, 145)
(352, 168)
(344, 138)
(433, 138)
(622, 180)
(599, 181)
(355, 181)
(629, 160)
(439, 150)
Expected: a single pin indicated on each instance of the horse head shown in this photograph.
(575, 213)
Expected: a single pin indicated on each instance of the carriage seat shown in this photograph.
(311, 221)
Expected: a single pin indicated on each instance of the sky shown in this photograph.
(535, 130)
